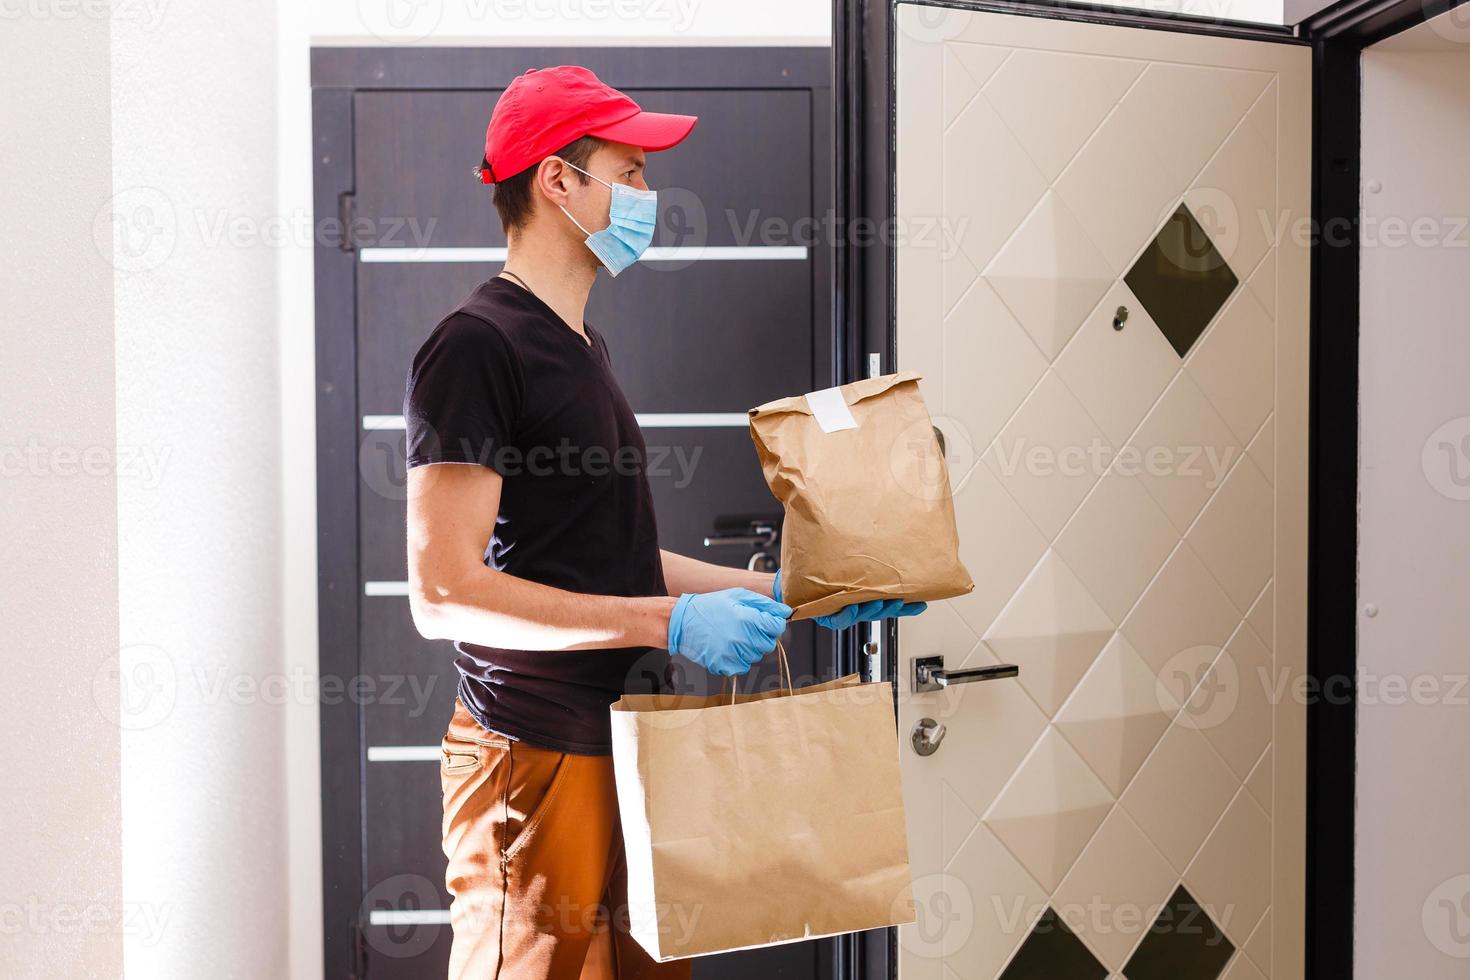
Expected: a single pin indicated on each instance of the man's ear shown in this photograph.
(553, 179)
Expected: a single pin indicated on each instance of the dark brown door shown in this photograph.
(737, 314)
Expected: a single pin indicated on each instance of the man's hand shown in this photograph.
(861, 612)
(726, 632)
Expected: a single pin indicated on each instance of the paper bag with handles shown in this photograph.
(869, 515)
(756, 819)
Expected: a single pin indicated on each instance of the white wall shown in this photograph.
(195, 172)
(296, 333)
(1413, 849)
(683, 22)
(61, 911)
(556, 22)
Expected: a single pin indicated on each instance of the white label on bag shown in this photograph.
(830, 410)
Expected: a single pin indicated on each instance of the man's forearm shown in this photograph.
(491, 608)
(684, 574)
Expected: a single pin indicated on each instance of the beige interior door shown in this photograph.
(1113, 336)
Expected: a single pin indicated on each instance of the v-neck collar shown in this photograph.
(589, 344)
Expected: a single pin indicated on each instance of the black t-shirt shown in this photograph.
(504, 382)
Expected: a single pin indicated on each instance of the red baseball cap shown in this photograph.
(543, 110)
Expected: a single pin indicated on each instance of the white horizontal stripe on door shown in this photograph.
(693, 420)
(408, 917)
(655, 253)
(648, 420)
(403, 753)
(385, 588)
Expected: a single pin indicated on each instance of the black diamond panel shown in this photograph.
(1181, 279)
(1183, 944)
(1053, 952)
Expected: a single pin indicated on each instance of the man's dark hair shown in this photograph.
(513, 195)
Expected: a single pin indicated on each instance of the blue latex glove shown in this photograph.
(861, 612)
(726, 632)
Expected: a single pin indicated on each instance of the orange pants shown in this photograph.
(536, 863)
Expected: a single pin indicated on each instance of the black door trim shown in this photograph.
(865, 307)
(1332, 513)
(1360, 23)
(337, 542)
(1122, 17)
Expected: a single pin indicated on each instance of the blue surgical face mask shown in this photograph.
(631, 220)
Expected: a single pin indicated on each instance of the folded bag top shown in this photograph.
(869, 514)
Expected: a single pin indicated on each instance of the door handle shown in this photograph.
(748, 540)
(930, 675)
(758, 534)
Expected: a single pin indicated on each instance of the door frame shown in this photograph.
(337, 74)
(864, 307)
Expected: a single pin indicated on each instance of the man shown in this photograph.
(532, 545)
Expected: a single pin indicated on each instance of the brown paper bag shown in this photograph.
(774, 818)
(866, 491)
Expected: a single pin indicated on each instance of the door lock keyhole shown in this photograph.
(926, 736)
(1120, 318)
(762, 561)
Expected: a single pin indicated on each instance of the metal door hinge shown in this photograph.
(359, 953)
(347, 220)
